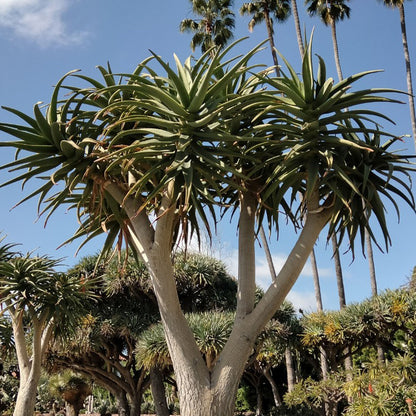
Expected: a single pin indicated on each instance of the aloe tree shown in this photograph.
(266, 11)
(148, 159)
(399, 4)
(215, 25)
(41, 303)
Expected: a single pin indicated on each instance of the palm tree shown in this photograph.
(51, 302)
(265, 11)
(199, 136)
(399, 4)
(330, 12)
(215, 25)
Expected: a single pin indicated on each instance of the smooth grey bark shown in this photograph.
(29, 366)
(202, 391)
(290, 370)
(122, 404)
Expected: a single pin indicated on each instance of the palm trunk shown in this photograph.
(271, 40)
(341, 297)
(298, 29)
(374, 290)
(323, 360)
(336, 52)
(338, 273)
(291, 377)
(316, 284)
(371, 266)
(408, 71)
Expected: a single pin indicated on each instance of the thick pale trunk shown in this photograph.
(26, 396)
(246, 290)
(30, 369)
(203, 392)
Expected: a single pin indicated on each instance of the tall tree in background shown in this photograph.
(266, 11)
(214, 26)
(295, 14)
(399, 4)
(330, 12)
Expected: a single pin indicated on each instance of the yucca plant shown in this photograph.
(149, 156)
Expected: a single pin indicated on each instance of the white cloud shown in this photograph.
(302, 300)
(39, 21)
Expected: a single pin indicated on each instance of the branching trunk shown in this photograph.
(30, 368)
(203, 392)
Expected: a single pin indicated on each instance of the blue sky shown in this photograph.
(41, 40)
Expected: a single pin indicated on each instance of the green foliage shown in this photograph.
(334, 10)
(208, 129)
(383, 390)
(9, 382)
(31, 284)
(214, 27)
(245, 399)
(259, 10)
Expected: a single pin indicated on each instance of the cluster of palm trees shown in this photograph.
(215, 21)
